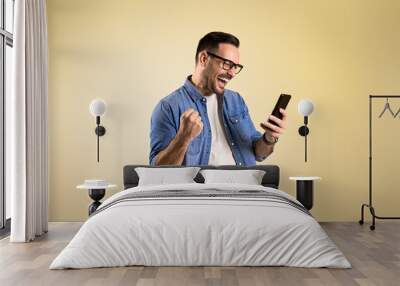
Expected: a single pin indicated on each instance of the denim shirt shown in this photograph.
(235, 120)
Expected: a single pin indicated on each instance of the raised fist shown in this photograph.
(190, 124)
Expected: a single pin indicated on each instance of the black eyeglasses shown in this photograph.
(227, 64)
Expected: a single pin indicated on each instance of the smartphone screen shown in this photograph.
(282, 102)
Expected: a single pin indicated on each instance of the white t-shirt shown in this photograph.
(221, 153)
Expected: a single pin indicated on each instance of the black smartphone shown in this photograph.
(282, 102)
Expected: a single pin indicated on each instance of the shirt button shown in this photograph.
(203, 99)
(240, 163)
(233, 144)
(236, 121)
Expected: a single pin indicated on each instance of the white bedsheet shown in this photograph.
(200, 231)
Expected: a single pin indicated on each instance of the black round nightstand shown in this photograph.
(96, 193)
(305, 190)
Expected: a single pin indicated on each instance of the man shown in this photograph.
(202, 123)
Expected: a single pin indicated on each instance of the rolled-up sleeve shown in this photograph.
(162, 129)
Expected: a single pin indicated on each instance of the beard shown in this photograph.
(216, 85)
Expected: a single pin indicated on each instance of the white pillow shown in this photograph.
(163, 176)
(248, 177)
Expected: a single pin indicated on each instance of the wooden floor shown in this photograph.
(375, 256)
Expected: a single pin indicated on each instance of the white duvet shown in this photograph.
(185, 231)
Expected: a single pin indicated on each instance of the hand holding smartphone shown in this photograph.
(282, 102)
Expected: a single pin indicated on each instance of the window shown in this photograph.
(6, 60)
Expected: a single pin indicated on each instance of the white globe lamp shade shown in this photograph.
(97, 107)
(305, 107)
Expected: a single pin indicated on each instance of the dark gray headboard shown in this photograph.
(271, 177)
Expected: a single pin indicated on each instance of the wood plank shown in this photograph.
(375, 257)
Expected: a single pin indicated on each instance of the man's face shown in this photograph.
(216, 76)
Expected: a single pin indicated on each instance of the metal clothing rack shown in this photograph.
(370, 205)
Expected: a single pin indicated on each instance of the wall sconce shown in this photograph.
(305, 108)
(97, 108)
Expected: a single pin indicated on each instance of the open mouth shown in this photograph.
(222, 81)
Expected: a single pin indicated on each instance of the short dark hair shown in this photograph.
(213, 39)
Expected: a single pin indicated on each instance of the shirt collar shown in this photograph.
(192, 90)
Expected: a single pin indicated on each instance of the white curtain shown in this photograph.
(27, 134)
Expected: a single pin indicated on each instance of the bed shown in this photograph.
(201, 224)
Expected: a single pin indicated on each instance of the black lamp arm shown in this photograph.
(303, 131)
(100, 131)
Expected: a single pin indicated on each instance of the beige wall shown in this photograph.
(133, 53)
